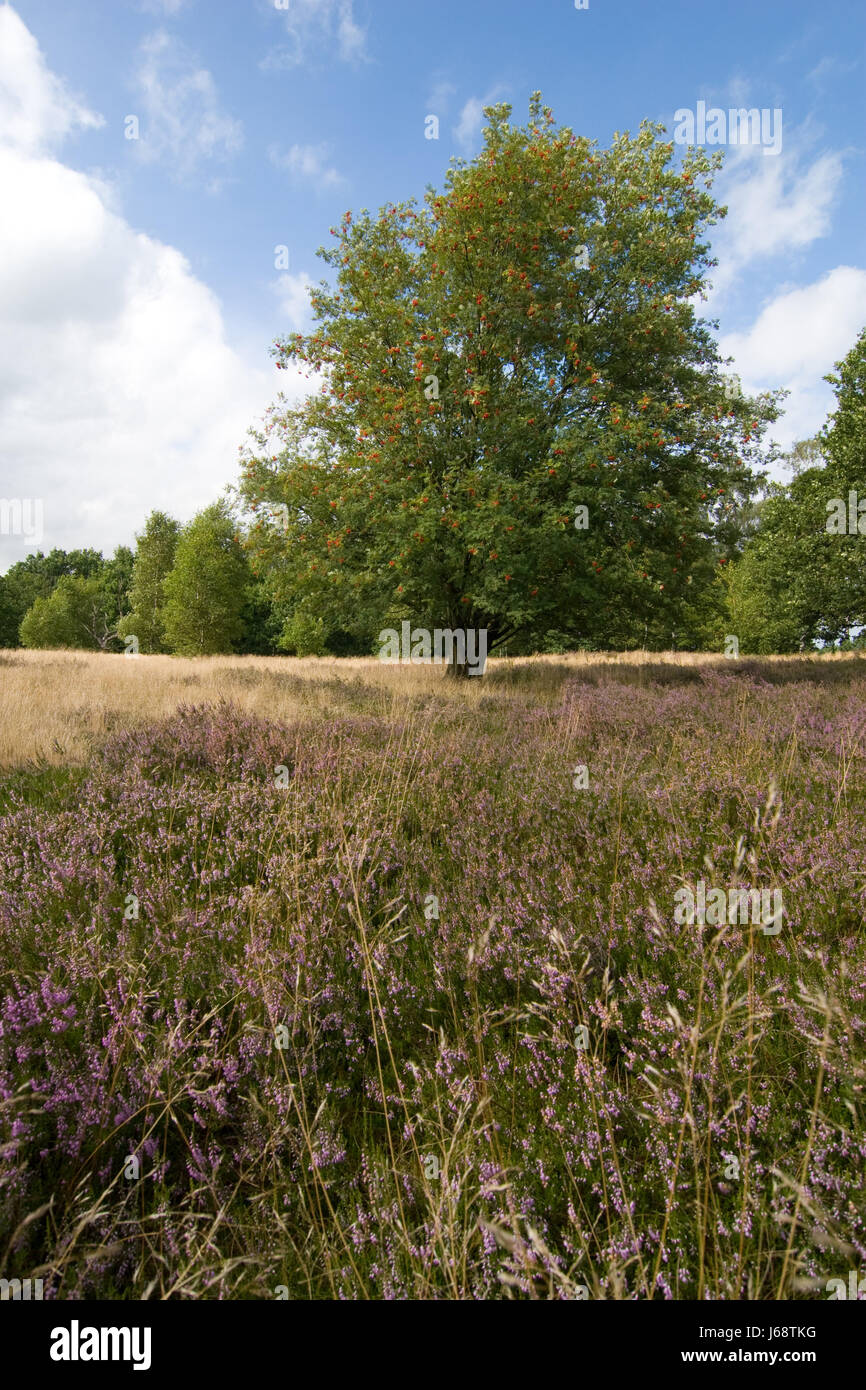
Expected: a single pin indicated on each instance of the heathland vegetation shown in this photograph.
(370, 984)
(326, 978)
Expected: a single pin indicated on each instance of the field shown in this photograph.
(323, 978)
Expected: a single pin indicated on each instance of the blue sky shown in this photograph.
(138, 287)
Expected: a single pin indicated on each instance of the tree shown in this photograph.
(521, 426)
(799, 582)
(260, 624)
(843, 438)
(116, 581)
(10, 618)
(77, 613)
(206, 588)
(154, 557)
(303, 636)
(806, 453)
(36, 577)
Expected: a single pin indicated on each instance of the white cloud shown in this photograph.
(795, 341)
(468, 128)
(294, 299)
(779, 204)
(181, 120)
(37, 111)
(471, 121)
(317, 26)
(119, 391)
(310, 162)
(351, 38)
(776, 205)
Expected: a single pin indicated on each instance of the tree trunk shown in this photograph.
(458, 670)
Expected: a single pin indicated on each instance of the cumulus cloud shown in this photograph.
(181, 119)
(294, 299)
(119, 391)
(37, 111)
(779, 206)
(776, 206)
(795, 341)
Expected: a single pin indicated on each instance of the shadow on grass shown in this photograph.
(40, 785)
(551, 676)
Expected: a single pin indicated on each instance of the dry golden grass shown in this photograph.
(55, 706)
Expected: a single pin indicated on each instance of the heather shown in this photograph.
(296, 1006)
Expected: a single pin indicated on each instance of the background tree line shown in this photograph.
(187, 590)
(787, 584)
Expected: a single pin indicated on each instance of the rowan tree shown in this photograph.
(523, 346)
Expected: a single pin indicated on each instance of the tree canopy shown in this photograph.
(517, 422)
(75, 614)
(65, 599)
(154, 557)
(36, 577)
(521, 424)
(206, 589)
(802, 577)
